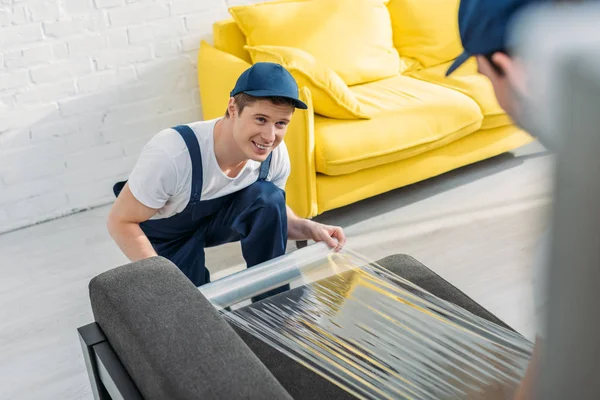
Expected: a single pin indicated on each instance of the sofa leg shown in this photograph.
(301, 243)
(89, 336)
(108, 377)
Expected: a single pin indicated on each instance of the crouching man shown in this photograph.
(218, 181)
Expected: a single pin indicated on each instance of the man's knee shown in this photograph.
(266, 195)
(263, 224)
(260, 208)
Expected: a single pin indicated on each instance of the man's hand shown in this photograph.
(305, 229)
(333, 236)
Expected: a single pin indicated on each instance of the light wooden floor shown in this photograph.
(476, 227)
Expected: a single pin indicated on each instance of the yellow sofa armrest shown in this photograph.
(217, 73)
(301, 187)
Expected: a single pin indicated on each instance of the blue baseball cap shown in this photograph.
(483, 26)
(268, 79)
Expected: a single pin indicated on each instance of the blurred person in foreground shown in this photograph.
(484, 29)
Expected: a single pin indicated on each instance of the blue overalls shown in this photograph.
(255, 215)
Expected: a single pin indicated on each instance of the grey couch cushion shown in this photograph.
(301, 382)
(417, 273)
(171, 340)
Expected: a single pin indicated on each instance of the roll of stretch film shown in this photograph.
(369, 331)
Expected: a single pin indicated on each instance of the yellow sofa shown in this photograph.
(381, 115)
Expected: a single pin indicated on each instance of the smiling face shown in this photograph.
(260, 125)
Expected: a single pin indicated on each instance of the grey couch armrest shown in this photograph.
(171, 340)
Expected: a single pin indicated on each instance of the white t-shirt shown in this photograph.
(162, 176)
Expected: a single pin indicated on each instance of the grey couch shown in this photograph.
(155, 336)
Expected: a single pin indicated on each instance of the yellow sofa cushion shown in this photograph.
(409, 117)
(468, 81)
(352, 37)
(338, 191)
(331, 96)
(426, 30)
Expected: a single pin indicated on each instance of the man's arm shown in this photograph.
(124, 226)
(297, 227)
(305, 229)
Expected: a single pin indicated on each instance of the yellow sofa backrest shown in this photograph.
(229, 38)
(425, 31)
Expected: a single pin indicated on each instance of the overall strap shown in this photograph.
(264, 168)
(191, 142)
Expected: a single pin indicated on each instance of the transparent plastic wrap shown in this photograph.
(371, 332)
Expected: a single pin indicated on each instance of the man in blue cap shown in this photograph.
(213, 182)
(484, 27)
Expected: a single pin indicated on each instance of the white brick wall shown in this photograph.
(83, 85)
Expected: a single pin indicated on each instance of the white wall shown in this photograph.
(83, 85)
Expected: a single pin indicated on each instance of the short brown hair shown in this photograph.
(495, 66)
(243, 99)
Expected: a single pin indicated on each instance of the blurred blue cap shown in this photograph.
(484, 24)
